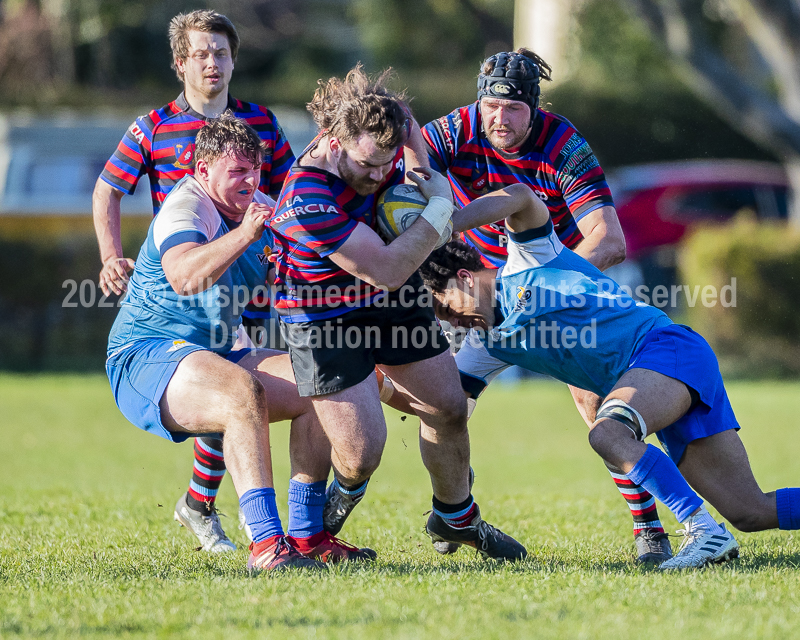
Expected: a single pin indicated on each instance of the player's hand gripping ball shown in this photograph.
(399, 207)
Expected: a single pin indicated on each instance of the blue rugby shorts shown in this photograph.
(680, 353)
(139, 374)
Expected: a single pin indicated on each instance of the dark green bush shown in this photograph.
(758, 336)
(38, 259)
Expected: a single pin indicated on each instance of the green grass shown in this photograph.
(88, 545)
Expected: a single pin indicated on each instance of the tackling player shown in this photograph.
(550, 311)
(162, 146)
(505, 138)
(171, 359)
(348, 301)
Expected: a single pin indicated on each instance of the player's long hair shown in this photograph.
(228, 135)
(441, 267)
(201, 20)
(359, 104)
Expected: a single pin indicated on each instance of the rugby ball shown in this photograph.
(399, 207)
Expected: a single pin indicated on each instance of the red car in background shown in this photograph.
(659, 203)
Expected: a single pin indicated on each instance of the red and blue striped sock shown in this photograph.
(640, 502)
(209, 469)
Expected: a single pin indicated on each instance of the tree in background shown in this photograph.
(742, 58)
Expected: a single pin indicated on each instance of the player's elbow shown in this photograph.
(617, 249)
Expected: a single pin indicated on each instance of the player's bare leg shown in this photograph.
(659, 402)
(208, 394)
(444, 444)
(652, 543)
(719, 470)
(442, 410)
(310, 452)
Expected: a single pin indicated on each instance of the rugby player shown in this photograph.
(549, 310)
(506, 138)
(162, 145)
(347, 301)
(171, 361)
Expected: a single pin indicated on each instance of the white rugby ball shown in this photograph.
(399, 207)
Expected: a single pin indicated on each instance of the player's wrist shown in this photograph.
(438, 213)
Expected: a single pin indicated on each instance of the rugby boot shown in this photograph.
(338, 506)
(652, 547)
(479, 534)
(207, 528)
(446, 548)
(329, 549)
(702, 547)
(276, 554)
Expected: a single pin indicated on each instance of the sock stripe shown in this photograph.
(208, 450)
(641, 503)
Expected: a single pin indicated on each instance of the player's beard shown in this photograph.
(508, 142)
(363, 186)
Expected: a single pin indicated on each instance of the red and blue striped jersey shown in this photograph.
(555, 161)
(161, 145)
(316, 213)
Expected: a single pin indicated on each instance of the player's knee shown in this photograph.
(599, 438)
(450, 415)
(248, 400)
(359, 468)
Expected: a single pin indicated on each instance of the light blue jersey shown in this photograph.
(153, 310)
(560, 316)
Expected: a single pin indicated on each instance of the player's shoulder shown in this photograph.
(465, 118)
(251, 110)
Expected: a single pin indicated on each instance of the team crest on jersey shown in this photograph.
(184, 154)
(523, 297)
(177, 344)
(481, 183)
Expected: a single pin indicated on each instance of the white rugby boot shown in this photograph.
(702, 547)
(208, 529)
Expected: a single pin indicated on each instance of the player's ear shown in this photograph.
(201, 169)
(466, 276)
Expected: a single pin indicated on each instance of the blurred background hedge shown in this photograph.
(759, 336)
(38, 256)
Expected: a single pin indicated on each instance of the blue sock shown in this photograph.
(788, 502)
(305, 508)
(659, 475)
(261, 513)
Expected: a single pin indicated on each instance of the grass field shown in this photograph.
(88, 545)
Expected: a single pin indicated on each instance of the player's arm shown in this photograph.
(192, 267)
(415, 152)
(603, 242)
(106, 216)
(516, 203)
(367, 257)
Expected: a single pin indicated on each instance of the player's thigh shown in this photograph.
(206, 393)
(719, 470)
(432, 388)
(660, 400)
(353, 418)
(273, 369)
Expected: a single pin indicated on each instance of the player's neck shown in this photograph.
(320, 156)
(207, 106)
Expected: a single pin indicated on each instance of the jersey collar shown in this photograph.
(183, 105)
